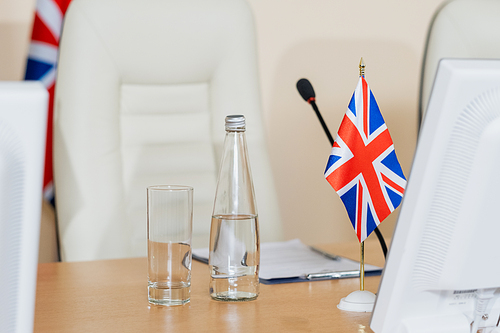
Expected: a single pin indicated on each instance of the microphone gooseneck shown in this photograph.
(306, 90)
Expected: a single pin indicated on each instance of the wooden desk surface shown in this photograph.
(111, 296)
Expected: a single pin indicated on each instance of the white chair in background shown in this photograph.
(460, 29)
(142, 91)
(23, 125)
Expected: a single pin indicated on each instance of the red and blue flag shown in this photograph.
(42, 65)
(363, 168)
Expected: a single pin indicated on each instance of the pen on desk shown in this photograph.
(332, 275)
(325, 254)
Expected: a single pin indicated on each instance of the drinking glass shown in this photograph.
(170, 220)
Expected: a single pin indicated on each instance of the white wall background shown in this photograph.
(323, 41)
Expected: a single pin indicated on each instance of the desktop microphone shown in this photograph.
(306, 90)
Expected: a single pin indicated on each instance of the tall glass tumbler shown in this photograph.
(170, 224)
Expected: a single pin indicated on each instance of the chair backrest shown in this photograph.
(460, 29)
(142, 91)
(23, 123)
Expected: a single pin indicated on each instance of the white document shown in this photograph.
(294, 259)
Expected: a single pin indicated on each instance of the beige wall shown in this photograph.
(16, 18)
(323, 41)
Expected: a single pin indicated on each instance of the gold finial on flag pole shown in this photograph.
(361, 67)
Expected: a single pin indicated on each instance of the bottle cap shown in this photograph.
(235, 122)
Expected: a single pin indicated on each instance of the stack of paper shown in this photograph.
(293, 261)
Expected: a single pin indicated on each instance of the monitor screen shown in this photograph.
(442, 272)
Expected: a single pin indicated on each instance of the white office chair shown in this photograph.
(23, 124)
(460, 29)
(142, 91)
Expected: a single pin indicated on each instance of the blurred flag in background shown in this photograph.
(42, 65)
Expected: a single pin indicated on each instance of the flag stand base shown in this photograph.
(358, 301)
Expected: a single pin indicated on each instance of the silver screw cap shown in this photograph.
(235, 122)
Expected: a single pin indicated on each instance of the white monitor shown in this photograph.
(23, 124)
(446, 246)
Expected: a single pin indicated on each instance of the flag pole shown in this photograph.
(362, 267)
(362, 244)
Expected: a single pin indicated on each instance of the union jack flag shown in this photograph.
(363, 168)
(42, 64)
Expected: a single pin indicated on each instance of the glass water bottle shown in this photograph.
(234, 234)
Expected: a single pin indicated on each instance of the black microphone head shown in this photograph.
(306, 90)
